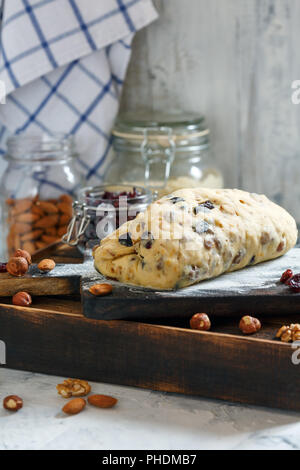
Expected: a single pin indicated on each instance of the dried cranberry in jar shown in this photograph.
(3, 268)
(294, 283)
(286, 276)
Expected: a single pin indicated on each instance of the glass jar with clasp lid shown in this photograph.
(163, 153)
(37, 191)
(102, 209)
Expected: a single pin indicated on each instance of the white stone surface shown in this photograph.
(142, 420)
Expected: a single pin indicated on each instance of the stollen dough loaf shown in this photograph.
(196, 234)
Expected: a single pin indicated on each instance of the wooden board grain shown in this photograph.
(52, 336)
(220, 364)
(253, 290)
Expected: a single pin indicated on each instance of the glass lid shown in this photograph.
(181, 126)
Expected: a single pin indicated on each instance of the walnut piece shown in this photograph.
(290, 333)
(73, 388)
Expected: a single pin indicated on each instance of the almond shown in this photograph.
(75, 406)
(102, 401)
(30, 247)
(21, 228)
(47, 207)
(28, 218)
(46, 265)
(37, 210)
(66, 198)
(64, 219)
(45, 222)
(62, 230)
(40, 245)
(100, 289)
(50, 231)
(10, 201)
(49, 239)
(21, 206)
(34, 235)
(65, 208)
(10, 242)
(17, 242)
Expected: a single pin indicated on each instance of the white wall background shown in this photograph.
(234, 61)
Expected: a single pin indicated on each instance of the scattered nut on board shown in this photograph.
(73, 388)
(200, 321)
(23, 299)
(289, 333)
(249, 325)
(100, 289)
(17, 266)
(12, 403)
(102, 401)
(74, 406)
(23, 254)
(46, 265)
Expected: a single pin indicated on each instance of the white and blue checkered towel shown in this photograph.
(63, 63)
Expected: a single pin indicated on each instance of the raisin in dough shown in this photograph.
(196, 234)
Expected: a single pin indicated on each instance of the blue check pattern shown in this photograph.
(63, 63)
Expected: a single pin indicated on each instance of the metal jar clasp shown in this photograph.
(77, 225)
(158, 152)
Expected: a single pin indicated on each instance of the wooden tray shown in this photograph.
(54, 337)
(254, 289)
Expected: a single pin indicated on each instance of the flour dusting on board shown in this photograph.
(261, 276)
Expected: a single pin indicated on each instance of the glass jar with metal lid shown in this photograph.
(163, 153)
(37, 191)
(100, 210)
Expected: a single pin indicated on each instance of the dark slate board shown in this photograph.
(254, 290)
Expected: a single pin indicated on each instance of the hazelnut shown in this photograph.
(75, 406)
(17, 266)
(12, 403)
(100, 289)
(249, 325)
(200, 321)
(46, 265)
(23, 254)
(23, 299)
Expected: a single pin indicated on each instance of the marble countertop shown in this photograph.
(142, 420)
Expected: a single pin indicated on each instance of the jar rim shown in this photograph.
(40, 147)
(83, 196)
(180, 122)
(182, 129)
